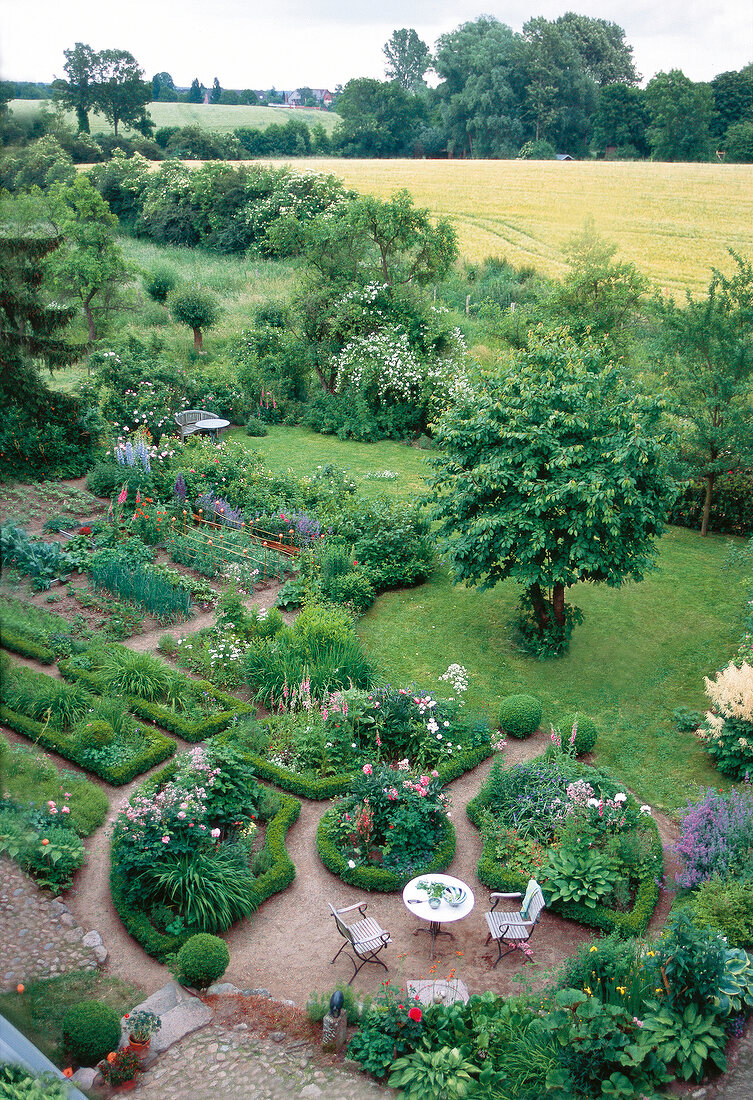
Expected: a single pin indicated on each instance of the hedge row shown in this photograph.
(317, 789)
(632, 923)
(379, 878)
(277, 878)
(166, 717)
(159, 748)
(19, 642)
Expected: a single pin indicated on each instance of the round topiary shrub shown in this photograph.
(94, 734)
(520, 715)
(202, 960)
(90, 1031)
(585, 735)
(255, 426)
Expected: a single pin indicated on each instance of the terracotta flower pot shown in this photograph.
(137, 1047)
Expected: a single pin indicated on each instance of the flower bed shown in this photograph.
(94, 733)
(389, 828)
(596, 853)
(182, 853)
(173, 695)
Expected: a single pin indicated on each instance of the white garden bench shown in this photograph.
(188, 419)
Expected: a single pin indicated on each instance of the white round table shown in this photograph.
(417, 902)
(213, 426)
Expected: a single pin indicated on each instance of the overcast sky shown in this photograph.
(322, 43)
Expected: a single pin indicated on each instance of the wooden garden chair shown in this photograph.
(515, 927)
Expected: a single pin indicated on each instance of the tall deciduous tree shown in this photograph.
(78, 92)
(195, 93)
(408, 58)
(709, 370)
(621, 121)
(377, 119)
(121, 91)
(89, 266)
(679, 117)
(551, 473)
(479, 64)
(216, 91)
(606, 56)
(560, 97)
(192, 306)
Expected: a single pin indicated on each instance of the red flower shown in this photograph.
(415, 1014)
(84, 530)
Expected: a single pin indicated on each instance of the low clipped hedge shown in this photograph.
(630, 923)
(19, 642)
(379, 878)
(272, 881)
(332, 786)
(159, 748)
(189, 729)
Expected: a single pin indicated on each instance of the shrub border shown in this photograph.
(193, 730)
(159, 747)
(378, 878)
(279, 876)
(632, 923)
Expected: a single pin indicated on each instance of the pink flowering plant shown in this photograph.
(392, 817)
(183, 848)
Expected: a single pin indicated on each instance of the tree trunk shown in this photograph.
(558, 603)
(197, 343)
(90, 318)
(539, 606)
(83, 120)
(710, 479)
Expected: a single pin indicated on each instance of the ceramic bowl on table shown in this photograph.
(454, 896)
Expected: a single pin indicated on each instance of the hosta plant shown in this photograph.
(442, 1074)
(686, 1040)
(584, 877)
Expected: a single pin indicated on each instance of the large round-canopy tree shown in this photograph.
(551, 472)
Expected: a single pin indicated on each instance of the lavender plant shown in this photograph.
(716, 837)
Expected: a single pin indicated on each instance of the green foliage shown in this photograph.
(317, 1006)
(520, 715)
(685, 1039)
(90, 1031)
(692, 961)
(256, 427)
(731, 505)
(44, 562)
(159, 282)
(158, 595)
(387, 1031)
(578, 876)
(209, 889)
(680, 114)
(202, 959)
(585, 735)
(18, 1083)
(726, 906)
(432, 1075)
(499, 478)
(192, 306)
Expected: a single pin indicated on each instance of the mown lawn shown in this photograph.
(301, 450)
(641, 651)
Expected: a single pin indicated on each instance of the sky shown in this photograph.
(322, 43)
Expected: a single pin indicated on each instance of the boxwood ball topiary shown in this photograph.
(202, 959)
(90, 1031)
(520, 715)
(585, 735)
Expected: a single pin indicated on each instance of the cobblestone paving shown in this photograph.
(230, 1064)
(39, 936)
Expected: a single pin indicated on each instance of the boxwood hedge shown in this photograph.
(379, 878)
(190, 729)
(158, 748)
(19, 642)
(278, 876)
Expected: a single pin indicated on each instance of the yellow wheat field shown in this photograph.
(673, 221)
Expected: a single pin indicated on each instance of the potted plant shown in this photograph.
(120, 1068)
(141, 1026)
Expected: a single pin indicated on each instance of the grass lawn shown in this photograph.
(641, 651)
(302, 450)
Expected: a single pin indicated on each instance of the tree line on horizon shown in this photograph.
(559, 86)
